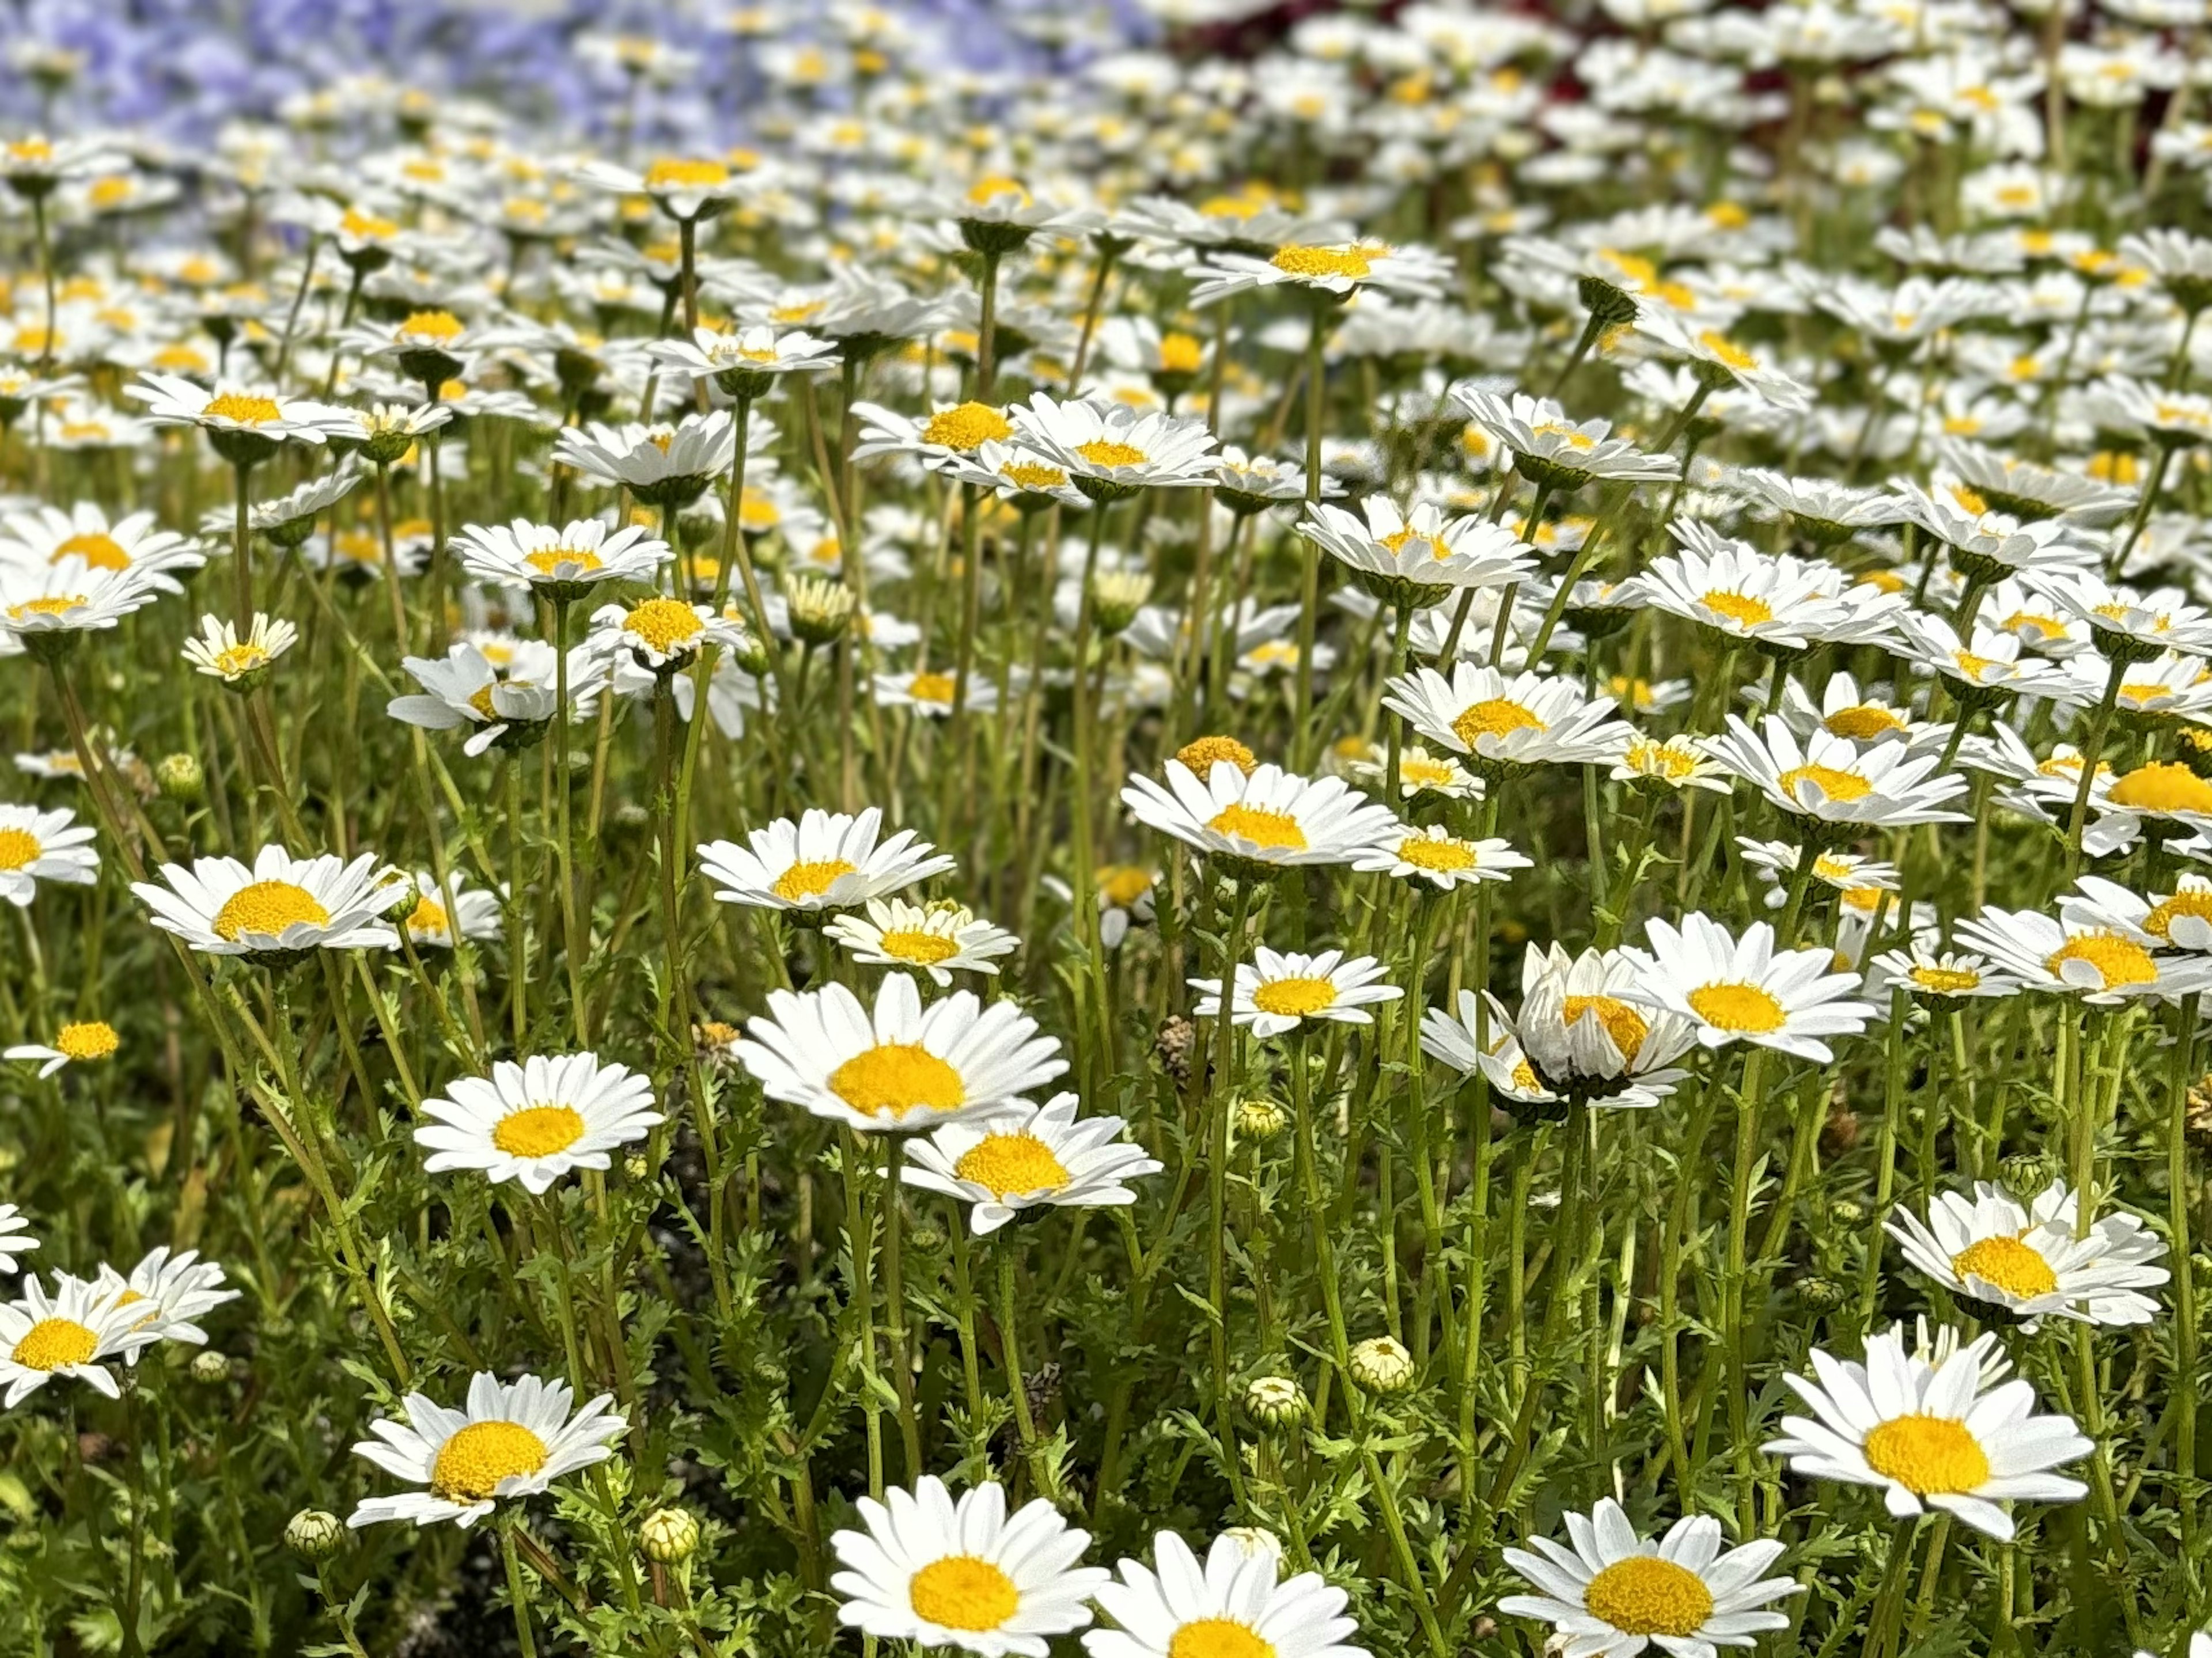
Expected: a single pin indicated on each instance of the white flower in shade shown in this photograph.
(258, 420)
(47, 534)
(64, 1333)
(536, 1121)
(278, 908)
(220, 653)
(941, 1573)
(1928, 975)
(2034, 1260)
(1502, 720)
(1418, 557)
(1585, 1033)
(1930, 1435)
(1112, 450)
(168, 1293)
(81, 1041)
(38, 846)
(1276, 993)
(656, 462)
(824, 861)
(1866, 715)
(2102, 962)
(1746, 990)
(933, 694)
(15, 1238)
(1419, 772)
(1613, 1593)
(1986, 547)
(1267, 820)
(1027, 1156)
(1229, 1606)
(512, 1440)
(1549, 448)
(941, 939)
(1435, 855)
(501, 704)
(565, 562)
(1337, 269)
(1831, 779)
(898, 1066)
(474, 913)
(1718, 359)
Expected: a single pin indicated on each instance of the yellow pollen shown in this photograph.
(894, 1079)
(1346, 261)
(428, 325)
(2162, 786)
(101, 552)
(1928, 1456)
(961, 1592)
(2017, 1268)
(366, 225)
(53, 1343)
(1181, 354)
(60, 605)
(1123, 884)
(1645, 1595)
(966, 425)
(549, 561)
(1217, 1638)
(1294, 998)
(1100, 452)
(1425, 774)
(1974, 666)
(88, 1039)
(1026, 475)
(678, 173)
(537, 1131)
(1005, 1163)
(237, 659)
(1863, 723)
(930, 688)
(2192, 902)
(1945, 981)
(1622, 1023)
(1495, 716)
(473, 1462)
(19, 848)
(244, 409)
(1573, 436)
(803, 880)
(2119, 962)
(1745, 1008)
(1277, 831)
(1740, 608)
(429, 920)
(1668, 760)
(664, 623)
(1836, 785)
(265, 909)
(1425, 852)
(1727, 351)
(1200, 754)
(986, 190)
(1399, 542)
(31, 151)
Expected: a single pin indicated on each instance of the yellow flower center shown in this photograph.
(1181, 354)
(1348, 261)
(1002, 1163)
(682, 172)
(893, 1079)
(1740, 608)
(803, 880)
(537, 1131)
(550, 561)
(1945, 981)
(1276, 830)
(915, 945)
(1747, 1009)
(1201, 753)
(1123, 884)
(60, 605)
(1496, 716)
(472, 1462)
(429, 920)
(428, 325)
(986, 190)
(664, 623)
(88, 1039)
(1646, 1595)
(2162, 786)
(930, 688)
(1024, 474)
(18, 848)
(1727, 351)
(1425, 852)
(1927, 1455)
(2120, 962)
(266, 908)
(966, 425)
(366, 226)
(1398, 544)
(1622, 1023)
(2017, 1268)
(1836, 785)
(1426, 773)
(245, 410)
(1101, 451)
(1294, 998)
(1863, 723)
(52, 1343)
(2190, 901)
(1217, 1638)
(102, 552)
(961, 1592)
(1668, 760)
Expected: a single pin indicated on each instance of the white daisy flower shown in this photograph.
(220, 653)
(64, 1333)
(1502, 720)
(1719, 360)
(682, 186)
(1418, 557)
(1435, 855)
(2102, 963)
(244, 425)
(1549, 448)
(38, 846)
(2034, 1260)
(430, 925)
(933, 694)
(1745, 991)
(277, 909)
(1271, 819)
(824, 861)
(49, 606)
(1584, 1033)
(659, 465)
(1615, 1593)
(1743, 596)
(507, 703)
(1230, 1605)
(513, 1440)
(1669, 763)
(1332, 269)
(15, 1238)
(1834, 781)
(941, 1573)
(1419, 772)
(1110, 451)
(563, 563)
(1928, 975)
(949, 433)
(660, 634)
(940, 938)
(898, 1066)
(536, 1121)
(739, 360)
(82, 1041)
(1027, 1156)
(1930, 1436)
(1277, 992)
(167, 1293)
(47, 534)
(2125, 623)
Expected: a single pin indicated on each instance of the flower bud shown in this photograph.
(1820, 1294)
(1275, 1401)
(1381, 1365)
(314, 1535)
(180, 779)
(210, 1366)
(1260, 1119)
(1116, 596)
(667, 1536)
(2026, 1173)
(820, 610)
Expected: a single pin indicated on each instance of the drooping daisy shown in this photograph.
(2034, 1260)
(1613, 1593)
(824, 861)
(16, 1238)
(1586, 1035)
(1437, 856)
(167, 1293)
(940, 938)
(1830, 782)
(475, 912)
(38, 846)
(1025, 1156)
(1228, 1606)
(1502, 722)
(1278, 992)
(66, 1332)
(276, 910)
(1270, 819)
(508, 704)
(941, 1573)
(564, 563)
(536, 1121)
(1930, 1435)
(898, 1066)
(512, 1440)
(241, 664)
(82, 1041)
(1745, 990)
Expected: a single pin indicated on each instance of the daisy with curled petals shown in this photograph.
(898, 1066)
(512, 1439)
(824, 861)
(940, 938)
(1479, 1037)
(1437, 856)
(241, 664)
(47, 534)
(1823, 510)
(1028, 1156)
(564, 564)
(276, 910)
(66, 1332)
(1110, 451)
(15, 1238)
(1584, 1033)
(1745, 991)
(1548, 448)
(1228, 1606)
(168, 1292)
(1418, 558)
(945, 1574)
(243, 426)
(2102, 963)
(508, 706)
(1615, 1593)
(1504, 721)
(1833, 783)
(743, 362)
(1930, 1435)
(1331, 272)
(1276, 993)
(443, 916)
(38, 846)
(1259, 823)
(535, 1122)
(81, 1041)
(2034, 1259)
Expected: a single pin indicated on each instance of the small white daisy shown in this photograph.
(38, 846)
(536, 1121)
(16, 1238)
(276, 909)
(824, 861)
(1027, 1156)
(1437, 856)
(513, 1440)
(2034, 1260)
(64, 1333)
(1228, 1606)
(1278, 992)
(167, 1293)
(1746, 990)
(940, 938)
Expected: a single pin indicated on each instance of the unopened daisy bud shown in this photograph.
(1847, 1212)
(406, 899)
(1608, 306)
(1257, 1544)
(636, 1168)
(1275, 1401)
(1820, 1294)
(749, 652)
(314, 1535)
(924, 1236)
(2026, 1174)
(180, 778)
(1116, 596)
(1381, 1365)
(1260, 1119)
(820, 610)
(667, 1537)
(211, 1367)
